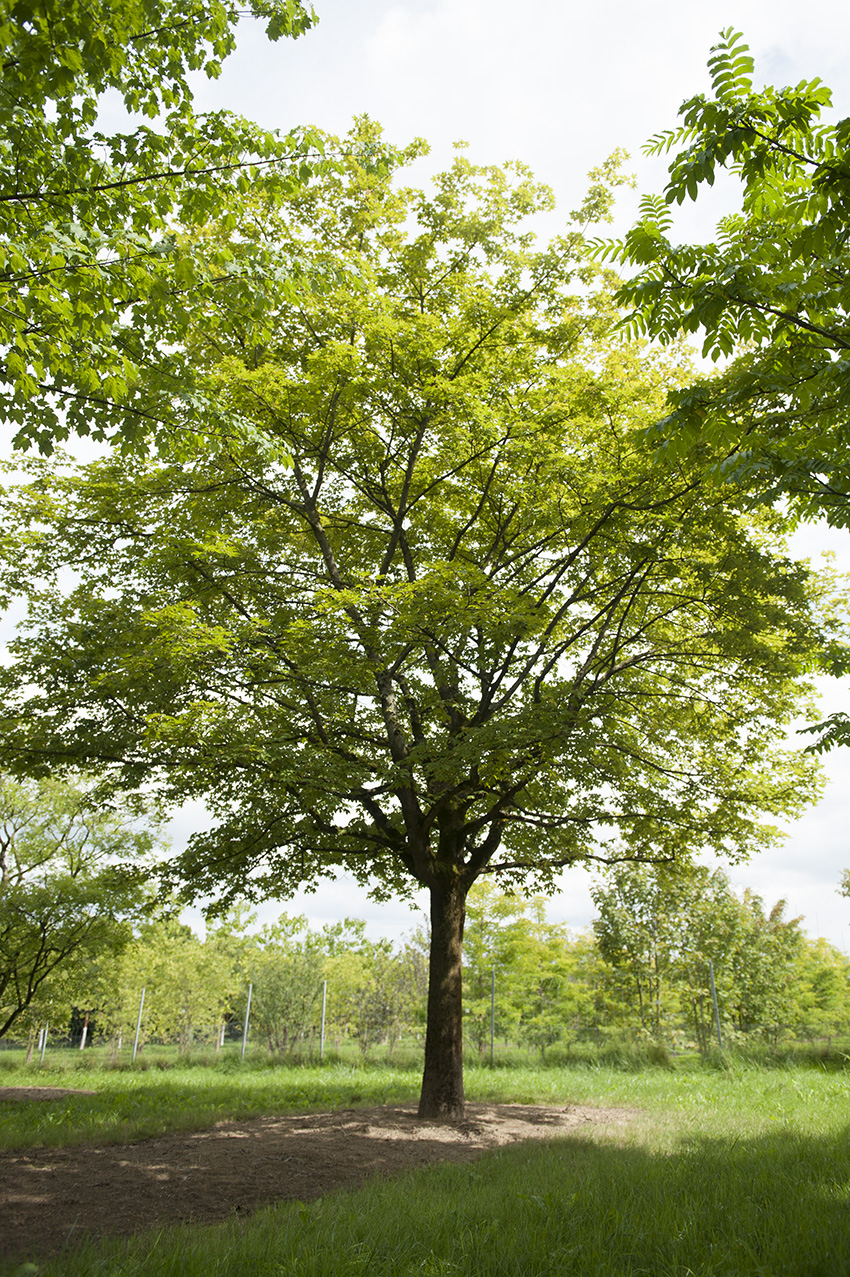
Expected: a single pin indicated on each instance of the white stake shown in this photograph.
(138, 1025)
(44, 1042)
(714, 1000)
(247, 1017)
(324, 1004)
(492, 1014)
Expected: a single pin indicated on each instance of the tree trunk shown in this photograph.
(442, 1079)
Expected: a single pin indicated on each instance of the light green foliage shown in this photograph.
(72, 874)
(772, 289)
(488, 914)
(189, 986)
(820, 989)
(375, 993)
(285, 968)
(432, 583)
(92, 276)
(544, 975)
(662, 929)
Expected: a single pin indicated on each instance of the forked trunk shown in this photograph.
(442, 1079)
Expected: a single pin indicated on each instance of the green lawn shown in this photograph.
(745, 1171)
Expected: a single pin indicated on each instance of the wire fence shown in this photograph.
(498, 1028)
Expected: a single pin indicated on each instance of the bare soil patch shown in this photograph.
(41, 1092)
(52, 1198)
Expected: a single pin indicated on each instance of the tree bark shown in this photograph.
(442, 1079)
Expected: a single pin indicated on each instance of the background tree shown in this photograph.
(663, 928)
(189, 986)
(425, 609)
(820, 989)
(285, 969)
(72, 876)
(639, 929)
(489, 915)
(539, 993)
(92, 278)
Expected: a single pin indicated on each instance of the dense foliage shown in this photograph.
(93, 278)
(773, 290)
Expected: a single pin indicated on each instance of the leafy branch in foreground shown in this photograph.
(773, 289)
(92, 275)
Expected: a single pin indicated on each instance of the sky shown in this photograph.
(560, 87)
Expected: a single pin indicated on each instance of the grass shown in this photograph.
(741, 1171)
(136, 1104)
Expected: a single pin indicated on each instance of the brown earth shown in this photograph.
(50, 1198)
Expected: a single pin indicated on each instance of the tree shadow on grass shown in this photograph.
(773, 1205)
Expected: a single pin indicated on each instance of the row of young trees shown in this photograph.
(643, 969)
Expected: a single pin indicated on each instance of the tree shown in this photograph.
(489, 915)
(534, 961)
(627, 933)
(664, 928)
(285, 969)
(188, 983)
(822, 989)
(70, 879)
(94, 280)
(425, 608)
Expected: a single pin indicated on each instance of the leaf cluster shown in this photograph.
(772, 292)
(93, 279)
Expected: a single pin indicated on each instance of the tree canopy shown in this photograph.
(93, 278)
(424, 607)
(773, 289)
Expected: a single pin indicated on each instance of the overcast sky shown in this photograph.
(558, 86)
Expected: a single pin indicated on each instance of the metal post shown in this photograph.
(714, 1000)
(138, 1026)
(245, 1026)
(324, 1004)
(84, 1033)
(492, 1013)
(44, 1042)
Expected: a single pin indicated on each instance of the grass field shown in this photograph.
(736, 1171)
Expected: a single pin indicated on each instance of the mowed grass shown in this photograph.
(743, 1171)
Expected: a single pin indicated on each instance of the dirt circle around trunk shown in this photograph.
(52, 1198)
